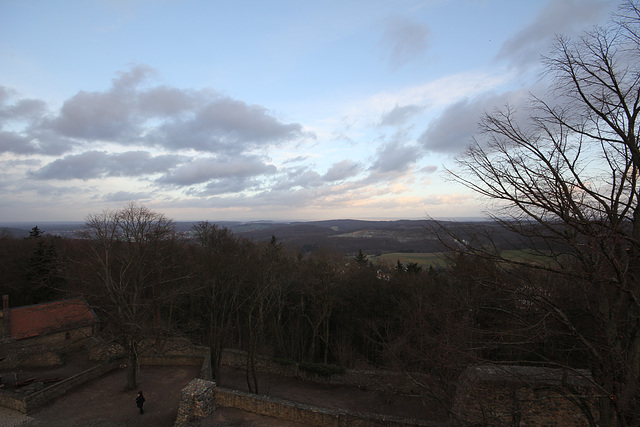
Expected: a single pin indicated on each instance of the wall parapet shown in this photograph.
(197, 400)
(307, 414)
(35, 400)
(527, 395)
(379, 380)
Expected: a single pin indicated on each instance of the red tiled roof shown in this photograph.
(38, 319)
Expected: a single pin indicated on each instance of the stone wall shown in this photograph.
(42, 350)
(197, 400)
(306, 414)
(181, 356)
(38, 357)
(174, 352)
(201, 397)
(171, 360)
(28, 403)
(385, 381)
(525, 396)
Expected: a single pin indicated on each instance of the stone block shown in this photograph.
(197, 400)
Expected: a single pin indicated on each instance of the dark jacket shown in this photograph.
(139, 400)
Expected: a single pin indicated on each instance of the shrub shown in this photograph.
(284, 361)
(324, 370)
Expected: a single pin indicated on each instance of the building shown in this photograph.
(57, 323)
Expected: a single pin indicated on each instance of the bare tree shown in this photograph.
(128, 256)
(223, 271)
(260, 299)
(566, 180)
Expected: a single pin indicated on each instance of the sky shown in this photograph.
(260, 110)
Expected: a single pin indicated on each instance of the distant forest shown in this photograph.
(343, 235)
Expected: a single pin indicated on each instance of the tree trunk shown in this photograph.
(132, 366)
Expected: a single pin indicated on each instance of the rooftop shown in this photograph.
(38, 319)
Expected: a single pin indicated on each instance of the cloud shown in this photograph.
(124, 196)
(132, 78)
(202, 170)
(97, 164)
(21, 110)
(454, 129)
(134, 112)
(565, 17)
(429, 169)
(11, 142)
(400, 115)
(59, 193)
(404, 40)
(341, 171)
(136, 140)
(395, 156)
(224, 125)
(112, 115)
(296, 159)
(294, 178)
(448, 199)
(170, 102)
(275, 198)
(17, 122)
(227, 185)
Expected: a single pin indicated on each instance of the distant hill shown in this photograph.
(51, 228)
(347, 236)
(376, 237)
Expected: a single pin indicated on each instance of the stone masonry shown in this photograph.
(197, 400)
(525, 396)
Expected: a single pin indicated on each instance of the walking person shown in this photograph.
(140, 401)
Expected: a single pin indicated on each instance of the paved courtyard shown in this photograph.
(105, 403)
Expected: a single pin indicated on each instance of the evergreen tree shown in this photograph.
(413, 267)
(35, 233)
(361, 258)
(44, 275)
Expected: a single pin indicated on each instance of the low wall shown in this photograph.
(26, 404)
(188, 360)
(197, 400)
(385, 381)
(199, 356)
(206, 373)
(531, 396)
(13, 402)
(306, 414)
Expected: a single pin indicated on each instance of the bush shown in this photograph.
(324, 370)
(284, 361)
